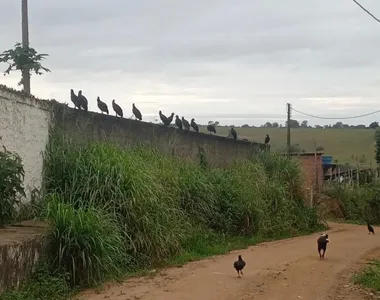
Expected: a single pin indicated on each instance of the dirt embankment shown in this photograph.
(282, 270)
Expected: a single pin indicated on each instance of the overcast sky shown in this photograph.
(233, 61)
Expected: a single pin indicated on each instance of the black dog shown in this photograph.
(322, 245)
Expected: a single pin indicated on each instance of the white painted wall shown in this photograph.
(24, 128)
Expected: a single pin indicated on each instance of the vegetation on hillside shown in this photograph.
(115, 210)
(358, 203)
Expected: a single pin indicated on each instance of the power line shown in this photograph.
(338, 118)
(357, 3)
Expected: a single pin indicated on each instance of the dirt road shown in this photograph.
(288, 269)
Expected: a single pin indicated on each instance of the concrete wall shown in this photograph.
(25, 122)
(219, 151)
(20, 251)
(24, 128)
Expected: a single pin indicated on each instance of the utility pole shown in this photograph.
(289, 111)
(25, 42)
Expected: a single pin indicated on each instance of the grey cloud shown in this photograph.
(240, 58)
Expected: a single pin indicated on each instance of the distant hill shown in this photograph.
(343, 144)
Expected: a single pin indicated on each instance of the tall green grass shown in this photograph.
(115, 208)
(88, 242)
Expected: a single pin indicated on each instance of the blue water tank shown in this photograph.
(327, 159)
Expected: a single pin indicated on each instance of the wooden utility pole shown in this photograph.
(288, 105)
(25, 42)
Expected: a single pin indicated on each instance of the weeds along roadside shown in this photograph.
(115, 210)
(359, 204)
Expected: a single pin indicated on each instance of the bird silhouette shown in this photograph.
(136, 112)
(178, 122)
(165, 119)
(233, 133)
(267, 140)
(211, 128)
(185, 123)
(194, 125)
(82, 101)
(117, 109)
(74, 99)
(370, 229)
(102, 106)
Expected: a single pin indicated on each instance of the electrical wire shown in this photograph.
(361, 6)
(336, 118)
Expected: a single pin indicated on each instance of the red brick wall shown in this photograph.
(308, 169)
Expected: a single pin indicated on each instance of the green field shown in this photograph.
(343, 144)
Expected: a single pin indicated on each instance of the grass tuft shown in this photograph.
(370, 276)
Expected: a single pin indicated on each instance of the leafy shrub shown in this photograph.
(358, 203)
(11, 185)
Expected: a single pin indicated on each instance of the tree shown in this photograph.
(23, 59)
(374, 125)
(216, 123)
(245, 126)
(304, 123)
(275, 125)
(318, 127)
(268, 125)
(293, 124)
(338, 125)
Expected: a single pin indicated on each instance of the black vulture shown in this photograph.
(117, 109)
(74, 99)
(267, 139)
(239, 265)
(82, 101)
(163, 118)
(370, 229)
(178, 122)
(136, 112)
(194, 125)
(170, 119)
(322, 245)
(211, 128)
(185, 123)
(233, 133)
(102, 106)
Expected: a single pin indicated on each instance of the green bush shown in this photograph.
(360, 204)
(11, 185)
(161, 206)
